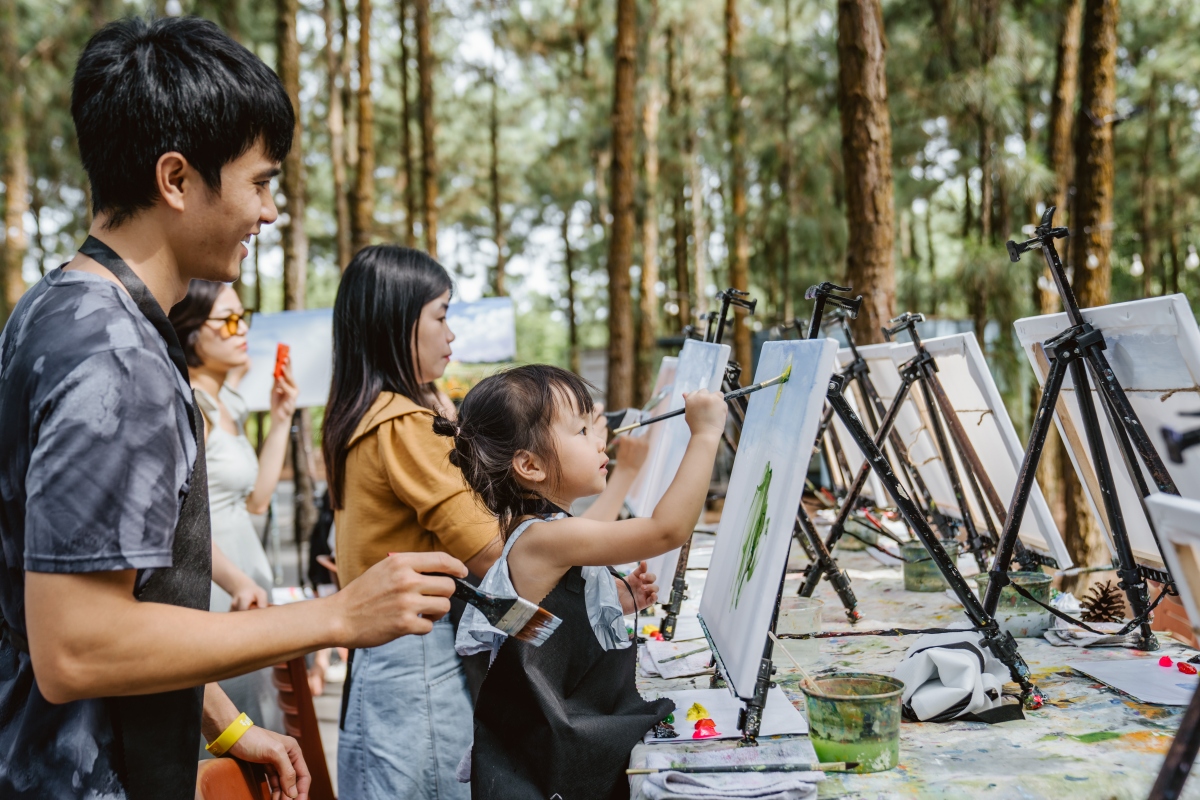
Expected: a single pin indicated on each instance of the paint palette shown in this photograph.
(694, 706)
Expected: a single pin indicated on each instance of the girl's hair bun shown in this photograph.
(444, 427)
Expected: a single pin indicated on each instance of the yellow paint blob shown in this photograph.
(696, 712)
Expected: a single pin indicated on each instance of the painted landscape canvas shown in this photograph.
(701, 366)
(760, 507)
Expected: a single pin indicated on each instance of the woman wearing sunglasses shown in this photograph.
(212, 324)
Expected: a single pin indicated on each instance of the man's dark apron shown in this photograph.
(158, 735)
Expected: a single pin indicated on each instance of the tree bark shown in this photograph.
(494, 166)
(1146, 190)
(1091, 221)
(337, 138)
(410, 186)
(786, 165)
(699, 227)
(569, 269)
(987, 13)
(739, 264)
(16, 161)
(867, 158)
(1174, 245)
(678, 183)
(647, 331)
(620, 241)
(429, 167)
(362, 216)
(295, 249)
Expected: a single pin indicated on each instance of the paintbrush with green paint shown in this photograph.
(828, 766)
(780, 379)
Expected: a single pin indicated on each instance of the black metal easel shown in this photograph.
(1083, 344)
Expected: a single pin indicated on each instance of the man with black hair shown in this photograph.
(107, 651)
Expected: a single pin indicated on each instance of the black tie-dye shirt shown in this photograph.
(95, 455)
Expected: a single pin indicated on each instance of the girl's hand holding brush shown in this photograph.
(705, 412)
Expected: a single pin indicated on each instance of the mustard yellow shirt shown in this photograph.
(401, 494)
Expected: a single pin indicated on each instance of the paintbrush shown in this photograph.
(513, 616)
(828, 766)
(804, 676)
(787, 373)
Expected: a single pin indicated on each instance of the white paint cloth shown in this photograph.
(673, 785)
(948, 675)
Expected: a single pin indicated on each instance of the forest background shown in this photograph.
(612, 164)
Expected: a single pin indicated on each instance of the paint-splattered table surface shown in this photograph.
(1088, 741)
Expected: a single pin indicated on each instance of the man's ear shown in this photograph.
(174, 177)
(529, 468)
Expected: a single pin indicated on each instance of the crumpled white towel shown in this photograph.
(725, 786)
(731, 785)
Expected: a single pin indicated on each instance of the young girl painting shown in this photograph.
(561, 719)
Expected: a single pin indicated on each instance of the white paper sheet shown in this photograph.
(1142, 679)
(780, 717)
(667, 660)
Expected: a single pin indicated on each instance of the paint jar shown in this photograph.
(921, 573)
(798, 615)
(856, 535)
(1021, 617)
(855, 716)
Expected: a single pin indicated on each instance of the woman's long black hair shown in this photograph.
(375, 318)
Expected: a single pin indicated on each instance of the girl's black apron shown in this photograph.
(158, 735)
(560, 719)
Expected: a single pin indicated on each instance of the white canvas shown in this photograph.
(854, 457)
(639, 491)
(910, 425)
(760, 506)
(1177, 521)
(780, 717)
(968, 382)
(1153, 346)
(701, 366)
(1142, 679)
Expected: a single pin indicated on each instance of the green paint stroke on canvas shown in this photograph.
(787, 374)
(756, 527)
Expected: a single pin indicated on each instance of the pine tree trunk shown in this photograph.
(425, 110)
(16, 161)
(295, 249)
(867, 159)
(699, 224)
(494, 165)
(1092, 222)
(678, 182)
(362, 213)
(337, 138)
(410, 186)
(1146, 190)
(987, 13)
(620, 241)
(1174, 245)
(786, 162)
(739, 264)
(569, 269)
(647, 331)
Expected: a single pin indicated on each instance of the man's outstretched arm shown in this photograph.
(89, 637)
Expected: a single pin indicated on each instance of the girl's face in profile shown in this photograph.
(221, 343)
(583, 465)
(431, 344)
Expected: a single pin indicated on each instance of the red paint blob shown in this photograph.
(705, 729)
(1185, 668)
(656, 636)
(1165, 661)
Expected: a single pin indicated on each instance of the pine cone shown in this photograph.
(1104, 602)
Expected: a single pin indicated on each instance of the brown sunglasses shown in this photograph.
(232, 323)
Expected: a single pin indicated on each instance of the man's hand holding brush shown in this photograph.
(396, 598)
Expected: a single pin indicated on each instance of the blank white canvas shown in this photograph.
(701, 366)
(1177, 520)
(854, 457)
(780, 428)
(910, 425)
(964, 374)
(639, 491)
(1153, 346)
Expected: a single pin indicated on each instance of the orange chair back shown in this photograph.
(300, 722)
(230, 779)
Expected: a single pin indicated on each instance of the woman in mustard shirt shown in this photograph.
(408, 714)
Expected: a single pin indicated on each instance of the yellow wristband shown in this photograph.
(229, 737)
